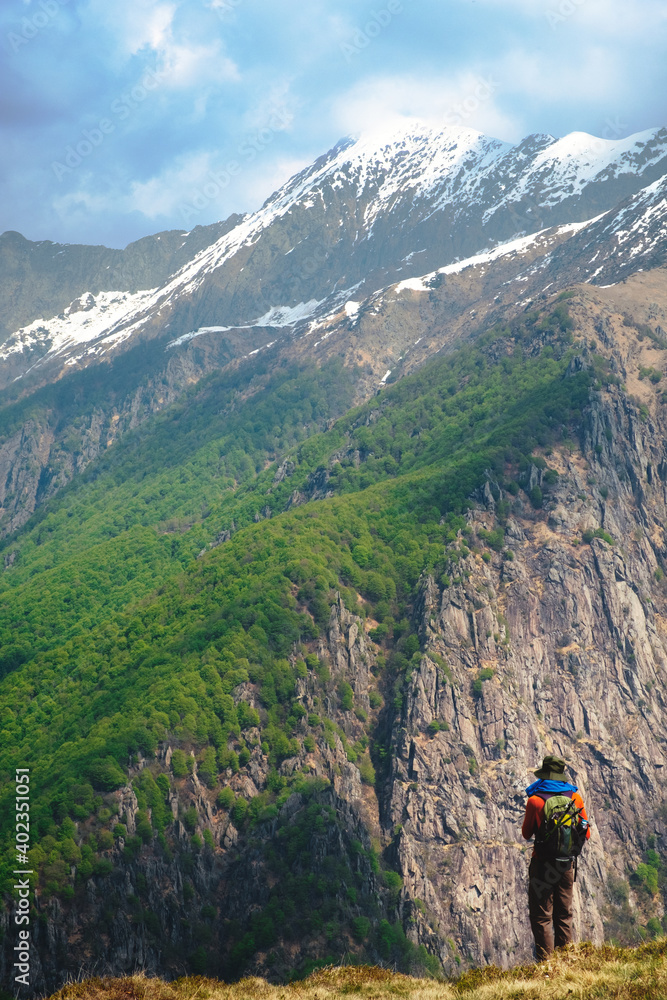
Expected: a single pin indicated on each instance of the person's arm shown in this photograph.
(579, 803)
(530, 821)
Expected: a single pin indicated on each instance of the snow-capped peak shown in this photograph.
(356, 217)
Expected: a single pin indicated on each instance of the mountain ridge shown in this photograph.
(365, 182)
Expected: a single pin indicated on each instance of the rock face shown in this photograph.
(41, 279)
(571, 639)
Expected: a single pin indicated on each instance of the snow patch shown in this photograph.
(107, 316)
(258, 349)
(288, 315)
(198, 333)
(279, 316)
(518, 246)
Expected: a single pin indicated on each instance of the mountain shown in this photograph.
(363, 216)
(42, 279)
(317, 255)
(299, 588)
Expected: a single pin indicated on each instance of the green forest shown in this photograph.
(123, 624)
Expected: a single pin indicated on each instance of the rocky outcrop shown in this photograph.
(553, 645)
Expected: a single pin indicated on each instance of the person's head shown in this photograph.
(552, 769)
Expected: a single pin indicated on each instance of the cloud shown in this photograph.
(612, 19)
(158, 197)
(278, 106)
(159, 32)
(132, 26)
(593, 76)
(604, 19)
(163, 194)
(384, 101)
(193, 65)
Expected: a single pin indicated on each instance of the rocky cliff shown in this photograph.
(555, 643)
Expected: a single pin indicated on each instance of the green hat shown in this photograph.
(552, 769)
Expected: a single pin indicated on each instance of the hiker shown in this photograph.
(556, 817)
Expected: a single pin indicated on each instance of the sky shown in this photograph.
(123, 118)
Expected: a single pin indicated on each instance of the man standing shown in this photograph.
(556, 817)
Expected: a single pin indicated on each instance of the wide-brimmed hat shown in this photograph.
(552, 769)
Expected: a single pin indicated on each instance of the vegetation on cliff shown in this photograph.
(121, 630)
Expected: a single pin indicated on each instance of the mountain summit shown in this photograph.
(368, 213)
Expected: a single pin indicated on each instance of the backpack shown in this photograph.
(561, 834)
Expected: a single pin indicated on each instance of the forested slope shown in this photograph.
(214, 674)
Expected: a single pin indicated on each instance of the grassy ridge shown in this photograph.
(577, 973)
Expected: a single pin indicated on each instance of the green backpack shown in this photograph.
(561, 834)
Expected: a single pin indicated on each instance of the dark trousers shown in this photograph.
(550, 891)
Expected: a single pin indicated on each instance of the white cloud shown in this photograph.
(276, 109)
(586, 77)
(496, 100)
(615, 19)
(159, 196)
(194, 65)
(151, 27)
(383, 101)
(153, 30)
(605, 18)
(133, 26)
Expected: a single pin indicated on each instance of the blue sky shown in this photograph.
(122, 118)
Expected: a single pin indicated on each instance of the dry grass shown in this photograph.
(575, 973)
